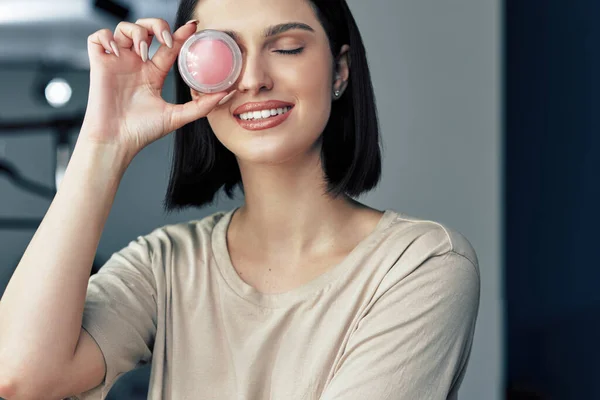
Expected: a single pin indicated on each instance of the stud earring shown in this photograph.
(336, 94)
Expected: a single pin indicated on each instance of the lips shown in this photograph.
(266, 123)
(263, 105)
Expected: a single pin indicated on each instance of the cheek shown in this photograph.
(310, 81)
(308, 74)
(221, 123)
(318, 97)
(313, 78)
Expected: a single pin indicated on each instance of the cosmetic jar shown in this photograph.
(210, 61)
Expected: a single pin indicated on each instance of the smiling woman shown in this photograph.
(297, 54)
(301, 293)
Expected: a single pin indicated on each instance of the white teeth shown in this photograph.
(263, 113)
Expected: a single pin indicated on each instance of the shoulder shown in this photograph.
(420, 240)
(430, 265)
(182, 234)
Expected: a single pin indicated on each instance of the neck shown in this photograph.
(286, 211)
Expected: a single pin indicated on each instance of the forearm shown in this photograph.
(42, 307)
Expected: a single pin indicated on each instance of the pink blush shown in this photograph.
(209, 61)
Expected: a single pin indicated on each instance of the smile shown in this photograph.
(263, 114)
(260, 116)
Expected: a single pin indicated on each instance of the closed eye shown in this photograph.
(295, 51)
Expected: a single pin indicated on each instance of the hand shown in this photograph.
(125, 105)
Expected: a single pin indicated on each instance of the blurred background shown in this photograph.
(488, 125)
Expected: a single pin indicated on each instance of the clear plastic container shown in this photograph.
(210, 61)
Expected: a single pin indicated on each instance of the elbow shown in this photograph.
(7, 389)
(13, 390)
(25, 380)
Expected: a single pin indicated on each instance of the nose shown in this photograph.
(255, 76)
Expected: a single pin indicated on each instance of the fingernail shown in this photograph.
(144, 51)
(113, 45)
(226, 98)
(192, 21)
(168, 39)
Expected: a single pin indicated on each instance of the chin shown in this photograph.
(270, 147)
(267, 155)
(273, 152)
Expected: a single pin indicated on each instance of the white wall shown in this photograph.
(436, 72)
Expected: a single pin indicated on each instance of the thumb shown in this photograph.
(179, 115)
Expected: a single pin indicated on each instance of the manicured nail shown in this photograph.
(168, 39)
(226, 98)
(192, 21)
(144, 51)
(113, 45)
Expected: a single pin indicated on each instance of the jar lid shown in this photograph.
(210, 61)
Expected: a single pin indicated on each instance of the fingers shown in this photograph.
(138, 36)
(159, 28)
(180, 114)
(165, 57)
(101, 42)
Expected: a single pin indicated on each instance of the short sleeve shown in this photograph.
(415, 340)
(120, 313)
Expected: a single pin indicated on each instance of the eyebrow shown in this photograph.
(276, 29)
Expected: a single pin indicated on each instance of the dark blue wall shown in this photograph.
(552, 131)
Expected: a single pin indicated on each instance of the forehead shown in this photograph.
(244, 15)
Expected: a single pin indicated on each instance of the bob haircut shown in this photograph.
(350, 154)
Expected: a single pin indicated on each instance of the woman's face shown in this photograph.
(302, 79)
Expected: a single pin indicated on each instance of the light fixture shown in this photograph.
(58, 92)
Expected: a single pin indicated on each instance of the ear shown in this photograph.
(342, 70)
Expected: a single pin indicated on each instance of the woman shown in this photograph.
(300, 293)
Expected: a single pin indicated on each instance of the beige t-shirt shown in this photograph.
(393, 321)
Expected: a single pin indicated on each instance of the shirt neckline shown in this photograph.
(277, 300)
